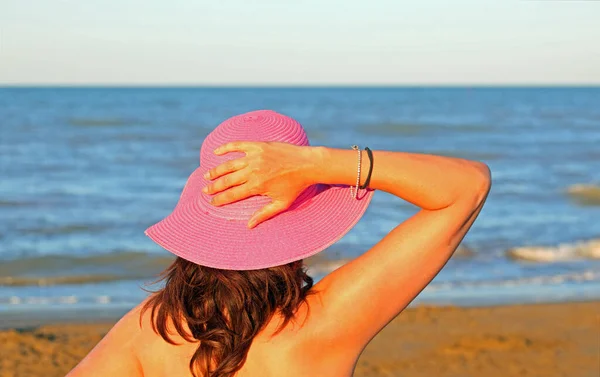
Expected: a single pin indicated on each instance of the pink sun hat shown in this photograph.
(218, 237)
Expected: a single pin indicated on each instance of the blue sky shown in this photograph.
(278, 42)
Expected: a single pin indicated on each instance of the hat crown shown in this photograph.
(260, 125)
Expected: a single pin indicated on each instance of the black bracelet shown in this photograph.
(368, 180)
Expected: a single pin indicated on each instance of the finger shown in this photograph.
(267, 212)
(227, 181)
(226, 168)
(235, 146)
(234, 194)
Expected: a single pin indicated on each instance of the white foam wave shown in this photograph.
(563, 252)
(59, 300)
(577, 277)
(68, 300)
(103, 300)
(325, 267)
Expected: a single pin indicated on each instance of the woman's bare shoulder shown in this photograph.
(116, 353)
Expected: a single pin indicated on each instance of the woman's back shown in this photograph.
(296, 350)
(226, 313)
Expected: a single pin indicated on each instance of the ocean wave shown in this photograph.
(98, 122)
(575, 277)
(14, 203)
(563, 252)
(325, 267)
(142, 137)
(64, 269)
(43, 281)
(62, 300)
(409, 129)
(63, 230)
(390, 129)
(469, 155)
(321, 265)
(585, 194)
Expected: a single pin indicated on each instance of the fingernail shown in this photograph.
(205, 189)
(216, 151)
(206, 175)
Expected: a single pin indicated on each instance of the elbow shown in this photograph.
(475, 184)
(482, 180)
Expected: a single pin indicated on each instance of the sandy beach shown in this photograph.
(520, 340)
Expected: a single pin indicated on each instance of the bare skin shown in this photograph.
(353, 303)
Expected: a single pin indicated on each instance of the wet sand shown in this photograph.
(522, 340)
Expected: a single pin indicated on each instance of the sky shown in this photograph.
(299, 42)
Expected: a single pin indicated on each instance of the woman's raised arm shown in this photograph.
(361, 297)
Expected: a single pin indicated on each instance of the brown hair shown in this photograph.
(224, 309)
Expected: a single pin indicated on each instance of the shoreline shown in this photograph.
(554, 339)
(25, 318)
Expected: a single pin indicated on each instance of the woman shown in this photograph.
(237, 300)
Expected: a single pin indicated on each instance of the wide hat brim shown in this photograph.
(197, 232)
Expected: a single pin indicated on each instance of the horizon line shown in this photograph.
(296, 86)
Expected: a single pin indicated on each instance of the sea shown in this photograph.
(85, 170)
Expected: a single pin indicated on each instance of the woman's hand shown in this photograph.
(280, 171)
